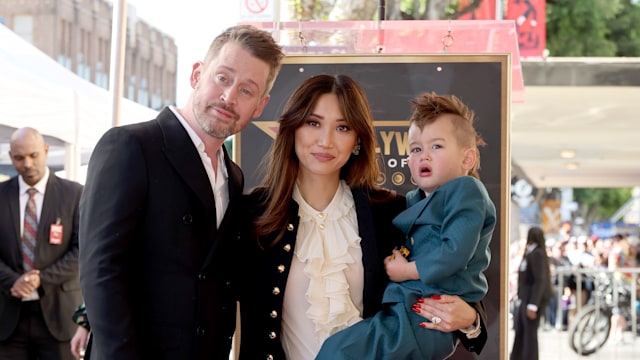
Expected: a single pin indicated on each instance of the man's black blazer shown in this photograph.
(154, 267)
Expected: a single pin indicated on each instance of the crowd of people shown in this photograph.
(573, 262)
(592, 253)
(140, 263)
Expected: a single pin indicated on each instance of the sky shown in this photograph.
(193, 24)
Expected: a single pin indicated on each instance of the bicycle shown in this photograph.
(590, 329)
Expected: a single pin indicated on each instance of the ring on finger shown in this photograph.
(436, 320)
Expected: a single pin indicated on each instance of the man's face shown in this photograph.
(229, 92)
(29, 157)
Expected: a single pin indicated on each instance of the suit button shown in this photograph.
(272, 335)
(202, 277)
(290, 227)
(187, 219)
(276, 291)
(269, 357)
(274, 314)
(200, 331)
(281, 268)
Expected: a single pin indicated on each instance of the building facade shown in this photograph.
(77, 34)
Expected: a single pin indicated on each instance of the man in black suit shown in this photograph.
(159, 209)
(39, 285)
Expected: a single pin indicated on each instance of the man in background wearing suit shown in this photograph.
(157, 217)
(39, 284)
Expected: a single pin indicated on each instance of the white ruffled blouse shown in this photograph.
(326, 279)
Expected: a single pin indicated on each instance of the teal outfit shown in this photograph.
(80, 316)
(448, 234)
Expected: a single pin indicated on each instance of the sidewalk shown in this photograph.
(554, 345)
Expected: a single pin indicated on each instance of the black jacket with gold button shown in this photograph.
(262, 283)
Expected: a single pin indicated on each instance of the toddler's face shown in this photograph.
(435, 157)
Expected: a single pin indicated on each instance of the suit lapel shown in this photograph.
(235, 186)
(184, 157)
(369, 246)
(407, 219)
(236, 178)
(51, 202)
(12, 196)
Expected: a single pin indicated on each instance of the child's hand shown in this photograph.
(397, 266)
(403, 251)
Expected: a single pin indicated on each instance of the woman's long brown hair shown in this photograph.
(282, 163)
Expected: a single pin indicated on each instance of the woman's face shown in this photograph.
(324, 142)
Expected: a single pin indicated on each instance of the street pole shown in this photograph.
(116, 71)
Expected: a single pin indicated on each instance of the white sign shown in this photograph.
(257, 10)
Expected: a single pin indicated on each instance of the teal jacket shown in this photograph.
(448, 233)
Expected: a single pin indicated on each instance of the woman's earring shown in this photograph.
(356, 151)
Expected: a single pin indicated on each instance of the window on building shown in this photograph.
(103, 54)
(64, 61)
(102, 78)
(131, 92)
(64, 56)
(143, 93)
(156, 101)
(23, 26)
(81, 67)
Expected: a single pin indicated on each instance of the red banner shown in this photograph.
(531, 24)
(486, 10)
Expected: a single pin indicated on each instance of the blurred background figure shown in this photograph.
(620, 256)
(558, 261)
(534, 291)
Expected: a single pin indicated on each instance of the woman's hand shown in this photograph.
(454, 313)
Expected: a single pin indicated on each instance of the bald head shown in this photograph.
(28, 153)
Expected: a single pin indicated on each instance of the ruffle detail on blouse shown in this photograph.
(323, 243)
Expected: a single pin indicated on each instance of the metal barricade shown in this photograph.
(597, 276)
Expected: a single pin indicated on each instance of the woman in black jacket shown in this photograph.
(534, 290)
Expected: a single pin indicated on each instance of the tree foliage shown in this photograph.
(601, 203)
(625, 29)
(574, 28)
(593, 28)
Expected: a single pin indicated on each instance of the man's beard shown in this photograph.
(213, 126)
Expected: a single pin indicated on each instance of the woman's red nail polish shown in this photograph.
(416, 310)
(420, 301)
(423, 325)
(435, 297)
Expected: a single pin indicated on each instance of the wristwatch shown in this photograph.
(474, 330)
